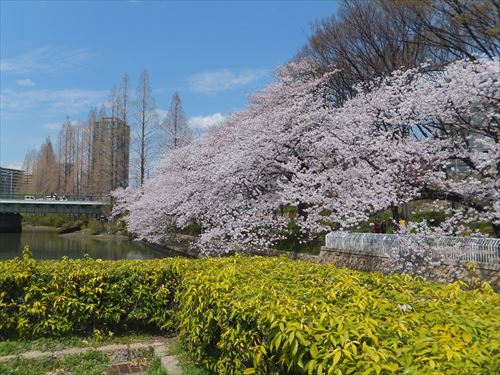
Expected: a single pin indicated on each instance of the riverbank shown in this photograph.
(39, 228)
(178, 247)
(84, 233)
(47, 243)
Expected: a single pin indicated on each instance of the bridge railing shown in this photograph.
(57, 197)
(486, 250)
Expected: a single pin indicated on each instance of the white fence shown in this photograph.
(485, 250)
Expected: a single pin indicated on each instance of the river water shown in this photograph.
(46, 243)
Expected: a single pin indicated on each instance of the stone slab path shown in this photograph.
(126, 368)
(123, 357)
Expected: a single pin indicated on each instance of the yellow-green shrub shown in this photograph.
(274, 315)
(80, 296)
(262, 315)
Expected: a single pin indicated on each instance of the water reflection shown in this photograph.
(47, 244)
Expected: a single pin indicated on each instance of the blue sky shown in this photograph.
(60, 58)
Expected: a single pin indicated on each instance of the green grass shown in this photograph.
(186, 362)
(155, 368)
(45, 344)
(89, 363)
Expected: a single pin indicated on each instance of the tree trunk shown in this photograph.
(496, 229)
(395, 216)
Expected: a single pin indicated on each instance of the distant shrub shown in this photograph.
(117, 227)
(96, 227)
(51, 220)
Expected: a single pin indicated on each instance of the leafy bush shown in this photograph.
(117, 227)
(85, 296)
(51, 220)
(96, 227)
(267, 316)
(293, 239)
(262, 315)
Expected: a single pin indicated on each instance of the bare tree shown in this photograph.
(45, 173)
(463, 28)
(124, 99)
(79, 158)
(145, 116)
(66, 158)
(29, 168)
(365, 40)
(101, 154)
(174, 129)
(92, 157)
(123, 133)
(87, 157)
(112, 144)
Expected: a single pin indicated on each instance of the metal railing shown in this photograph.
(477, 249)
(56, 197)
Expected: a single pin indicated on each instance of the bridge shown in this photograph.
(12, 206)
(70, 207)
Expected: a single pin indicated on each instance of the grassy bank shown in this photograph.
(75, 223)
(90, 363)
(14, 346)
(260, 315)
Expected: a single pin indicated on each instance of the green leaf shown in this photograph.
(314, 350)
(336, 357)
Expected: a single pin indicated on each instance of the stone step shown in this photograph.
(121, 356)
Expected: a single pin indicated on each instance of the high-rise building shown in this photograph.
(110, 154)
(11, 181)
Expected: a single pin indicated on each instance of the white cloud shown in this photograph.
(45, 59)
(161, 113)
(54, 102)
(14, 166)
(25, 82)
(52, 125)
(204, 122)
(224, 79)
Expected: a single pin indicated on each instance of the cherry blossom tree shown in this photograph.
(395, 141)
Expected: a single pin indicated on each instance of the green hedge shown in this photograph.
(262, 315)
(85, 296)
(274, 315)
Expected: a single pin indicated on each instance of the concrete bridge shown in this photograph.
(12, 207)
